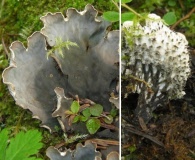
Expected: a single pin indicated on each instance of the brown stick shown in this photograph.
(109, 126)
(137, 132)
(183, 18)
(181, 4)
(4, 47)
(104, 142)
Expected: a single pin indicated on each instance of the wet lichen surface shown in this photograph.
(171, 131)
(31, 75)
(18, 119)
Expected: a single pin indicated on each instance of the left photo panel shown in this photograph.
(60, 83)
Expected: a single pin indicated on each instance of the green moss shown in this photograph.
(26, 13)
(18, 20)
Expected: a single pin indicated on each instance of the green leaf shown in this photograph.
(93, 125)
(125, 1)
(111, 16)
(76, 119)
(83, 118)
(127, 16)
(96, 110)
(86, 112)
(75, 107)
(113, 112)
(108, 119)
(23, 145)
(33, 158)
(132, 148)
(69, 112)
(3, 143)
(172, 3)
(170, 18)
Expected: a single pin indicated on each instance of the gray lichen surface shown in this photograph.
(86, 152)
(82, 152)
(88, 70)
(63, 104)
(157, 63)
(91, 67)
(32, 78)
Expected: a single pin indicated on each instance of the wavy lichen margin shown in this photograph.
(27, 75)
(35, 90)
(96, 55)
(86, 152)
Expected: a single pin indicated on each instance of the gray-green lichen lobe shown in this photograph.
(88, 70)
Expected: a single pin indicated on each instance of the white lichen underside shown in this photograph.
(154, 43)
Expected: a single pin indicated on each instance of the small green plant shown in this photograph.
(23, 146)
(60, 45)
(92, 115)
(3, 60)
(170, 18)
(112, 16)
(131, 15)
(192, 154)
(74, 138)
(26, 31)
(132, 155)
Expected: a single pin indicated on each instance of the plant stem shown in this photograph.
(183, 18)
(1, 9)
(132, 10)
(181, 4)
(19, 123)
(142, 81)
(116, 5)
(4, 46)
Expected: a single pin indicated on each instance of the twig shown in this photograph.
(153, 139)
(16, 130)
(109, 126)
(143, 124)
(1, 9)
(84, 106)
(4, 46)
(132, 10)
(116, 5)
(181, 4)
(9, 34)
(104, 142)
(100, 12)
(142, 81)
(183, 18)
(126, 146)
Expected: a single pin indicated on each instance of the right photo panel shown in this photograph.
(157, 80)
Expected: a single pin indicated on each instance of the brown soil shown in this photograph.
(170, 135)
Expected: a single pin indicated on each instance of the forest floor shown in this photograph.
(168, 136)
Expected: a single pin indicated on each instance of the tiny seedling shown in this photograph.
(60, 44)
(74, 138)
(92, 115)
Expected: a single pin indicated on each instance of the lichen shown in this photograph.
(88, 70)
(156, 62)
(96, 55)
(85, 152)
